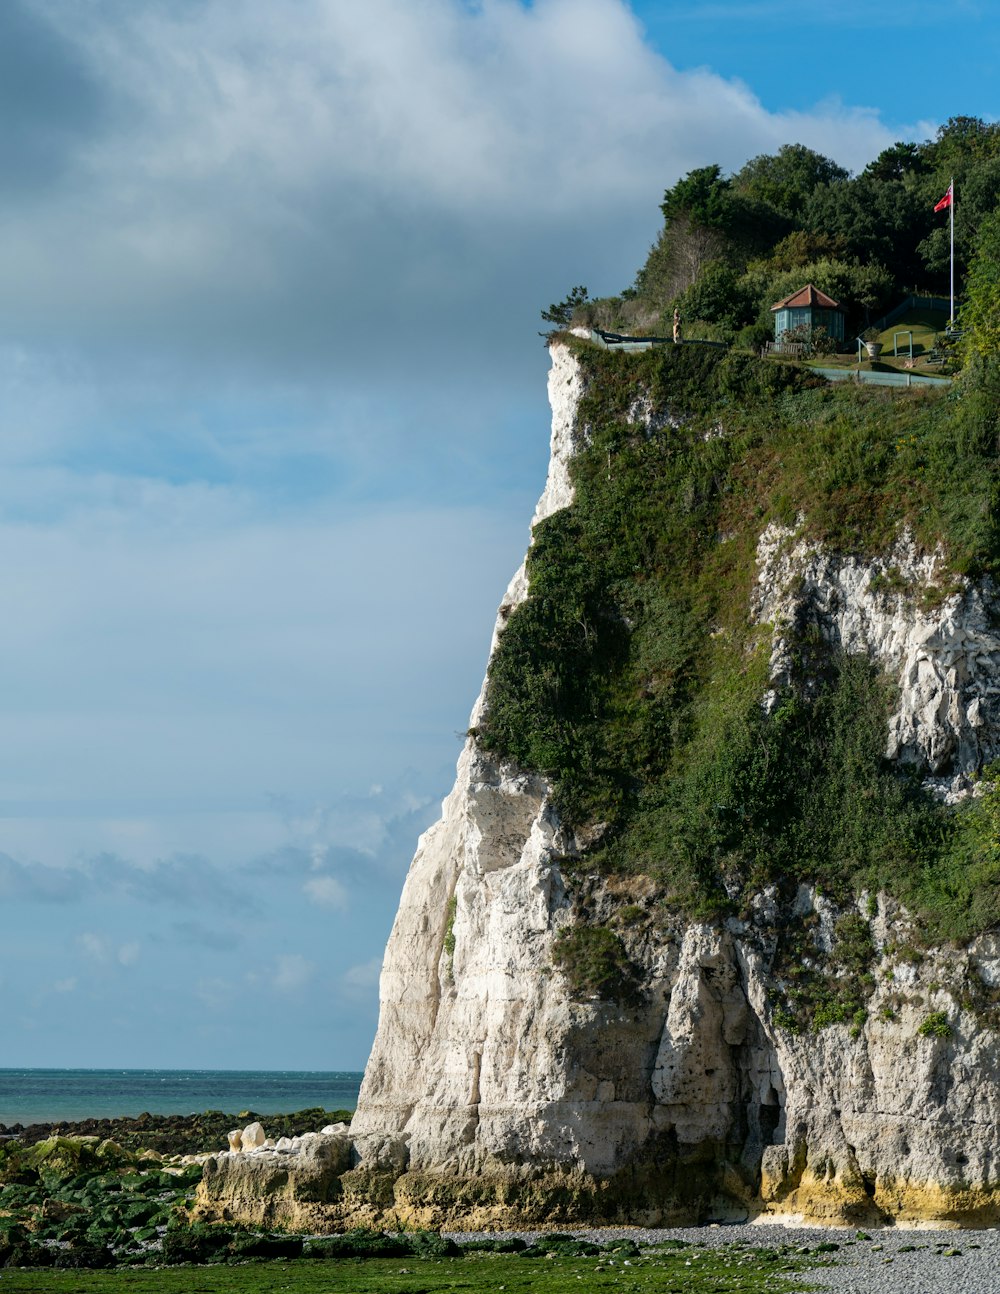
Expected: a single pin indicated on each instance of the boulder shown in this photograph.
(57, 1158)
(253, 1136)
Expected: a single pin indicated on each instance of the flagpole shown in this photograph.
(951, 213)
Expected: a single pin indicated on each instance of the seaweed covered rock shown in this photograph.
(59, 1158)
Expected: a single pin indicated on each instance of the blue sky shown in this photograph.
(274, 421)
(909, 63)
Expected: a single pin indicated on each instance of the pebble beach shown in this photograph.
(887, 1261)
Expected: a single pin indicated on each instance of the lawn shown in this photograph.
(926, 325)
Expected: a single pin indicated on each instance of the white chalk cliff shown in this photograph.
(492, 1095)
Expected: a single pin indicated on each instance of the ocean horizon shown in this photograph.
(69, 1095)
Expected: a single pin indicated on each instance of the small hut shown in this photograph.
(807, 310)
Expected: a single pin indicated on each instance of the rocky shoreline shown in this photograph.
(87, 1201)
(174, 1134)
(119, 1192)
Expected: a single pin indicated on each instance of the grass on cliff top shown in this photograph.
(633, 674)
(735, 1269)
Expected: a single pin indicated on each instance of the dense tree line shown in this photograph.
(732, 245)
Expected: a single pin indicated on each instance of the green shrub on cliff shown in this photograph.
(595, 962)
(935, 1025)
(633, 675)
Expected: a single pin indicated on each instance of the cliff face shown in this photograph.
(499, 1090)
(945, 661)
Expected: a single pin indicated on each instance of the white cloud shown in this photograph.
(182, 690)
(275, 182)
(95, 947)
(359, 983)
(364, 975)
(214, 992)
(326, 890)
(291, 971)
(64, 985)
(104, 951)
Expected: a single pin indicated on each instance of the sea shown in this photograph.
(68, 1095)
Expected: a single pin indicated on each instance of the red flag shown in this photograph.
(946, 201)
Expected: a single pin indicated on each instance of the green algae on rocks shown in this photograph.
(551, 1266)
(87, 1201)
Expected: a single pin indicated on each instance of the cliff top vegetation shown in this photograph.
(633, 675)
(732, 245)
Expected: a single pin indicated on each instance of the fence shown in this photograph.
(913, 303)
(618, 341)
(880, 379)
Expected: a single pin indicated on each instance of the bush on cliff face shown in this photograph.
(595, 962)
(935, 1025)
(958, 885)
(633, 677)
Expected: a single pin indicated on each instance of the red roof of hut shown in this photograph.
(807, 296)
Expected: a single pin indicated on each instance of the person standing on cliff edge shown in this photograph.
(677, 326)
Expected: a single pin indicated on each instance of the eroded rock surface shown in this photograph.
(280, 1184)
(935, 637)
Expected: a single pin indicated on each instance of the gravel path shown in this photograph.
(892, 1261)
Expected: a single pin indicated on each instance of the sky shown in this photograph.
(272, 427)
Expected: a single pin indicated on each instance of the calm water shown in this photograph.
(51, 1095)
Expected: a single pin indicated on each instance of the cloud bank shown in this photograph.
(230, 183)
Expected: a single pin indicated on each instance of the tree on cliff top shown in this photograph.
(786, 179)
(981, 315)
(560, 313)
